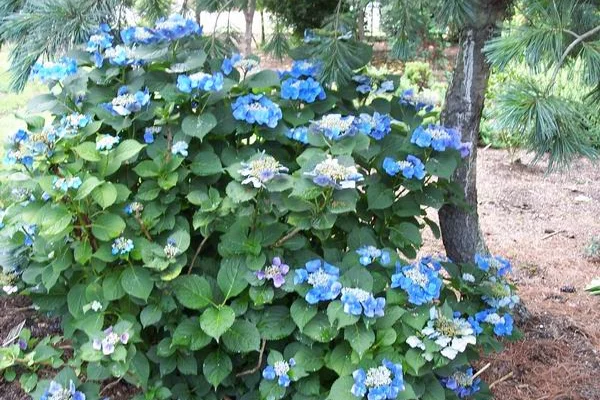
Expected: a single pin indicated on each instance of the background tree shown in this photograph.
(553, 35)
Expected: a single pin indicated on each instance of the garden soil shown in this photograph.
(541, 222)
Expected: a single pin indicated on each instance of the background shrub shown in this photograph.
(205, 230)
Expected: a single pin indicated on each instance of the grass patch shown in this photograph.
(12, 102)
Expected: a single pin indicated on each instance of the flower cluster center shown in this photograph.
(281, 368)
(361, 295)
(379, 376)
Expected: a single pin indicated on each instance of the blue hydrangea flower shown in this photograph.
(106, 142)
(64, 184)
(379, 383)
(109, 340)
(410, 168)
(499, 295)
(54, 71)
(56, 392)
(452, 335)
(494, 264)
(421, 283)
(229, 63)
(364, 83)
(503, 325)
(304, 68)
(475, 325)
(176, 27)
(30, 232)
(370, 254)
(310, 36)
(462, 383)
(149, 133)
(333, 174)
(122, 246)
(126, 103)
(334, 126)
(180, 148)
(122, 55)
(257, 109)
(275, 272)
(171, 249)
(138, 35)
(134, 208)
(420, 101)
(70, 124)
(200, 81)
(440, 138)
(261, 170)
(358, 301)
(237, 61)
(323, 277)
(307, 90)
(279, 370)
(299, 134)
(385, 86)
(98, 42)
(377, 125)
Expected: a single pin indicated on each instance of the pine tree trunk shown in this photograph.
(249, 17)
(460, 228)
(360, 21)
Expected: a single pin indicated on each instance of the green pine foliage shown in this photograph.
(552, 36)
(45, 29)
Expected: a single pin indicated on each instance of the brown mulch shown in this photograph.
(542, 223)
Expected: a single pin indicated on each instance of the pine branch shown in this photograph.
(569, 48)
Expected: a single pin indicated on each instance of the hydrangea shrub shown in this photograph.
(209, 230)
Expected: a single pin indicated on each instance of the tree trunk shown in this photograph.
(460, 228)
(360, 21)
(249, 16)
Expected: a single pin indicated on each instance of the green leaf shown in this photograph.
(240, 193)
(414, 360)
(341, 388)
(150, 315)
(137, 282)
(442, 165)
(187, 364)
(319, 329)
(147, 169)
(193, 291)
(55, 220)
(242, 337)
(76, 300)
(87, 151)
(340, 360)
(230, 278)
(206, 163)
(215, 321)
(360, 338)
(276, 323)
(217, 366)
(189, 334)
(337, 317)
(198, 126)
(271, 390)
(105, 195)
(379, 197)
(263, 79)
(302, 312)
(127, 149)
(406, 232)
(87, 186)
(108, 226)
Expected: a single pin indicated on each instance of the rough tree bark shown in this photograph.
(249, 17)
(460, 228)
(360, 21)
